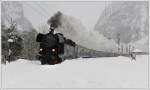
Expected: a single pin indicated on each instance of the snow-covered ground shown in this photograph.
(106, 72)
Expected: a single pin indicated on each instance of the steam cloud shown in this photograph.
(73, 28)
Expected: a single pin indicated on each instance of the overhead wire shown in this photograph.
(36, 10)
(42, 8)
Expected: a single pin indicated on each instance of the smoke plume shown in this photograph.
(55, 20)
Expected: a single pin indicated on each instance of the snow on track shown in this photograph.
(106, 72)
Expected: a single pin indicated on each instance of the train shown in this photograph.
(80, 51)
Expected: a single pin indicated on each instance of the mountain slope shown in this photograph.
(12, 11)
(129, 19)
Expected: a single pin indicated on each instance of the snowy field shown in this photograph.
(106, 72)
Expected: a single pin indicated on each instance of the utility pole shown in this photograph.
(118, 42)
(129, 48)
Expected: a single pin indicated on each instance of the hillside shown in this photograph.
(12, 13)
(127, 19)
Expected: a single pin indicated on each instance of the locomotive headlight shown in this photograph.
(53, 50)
(41, 49)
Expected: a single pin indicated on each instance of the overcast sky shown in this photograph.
(39, 12)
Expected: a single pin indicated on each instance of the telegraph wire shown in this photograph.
(37, 11)
(42, 8)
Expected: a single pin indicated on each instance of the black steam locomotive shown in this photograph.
(52, 47)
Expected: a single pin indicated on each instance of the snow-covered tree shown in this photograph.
(11, 42)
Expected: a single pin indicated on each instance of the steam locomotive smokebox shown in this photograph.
(47, 40)
(39, 37)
